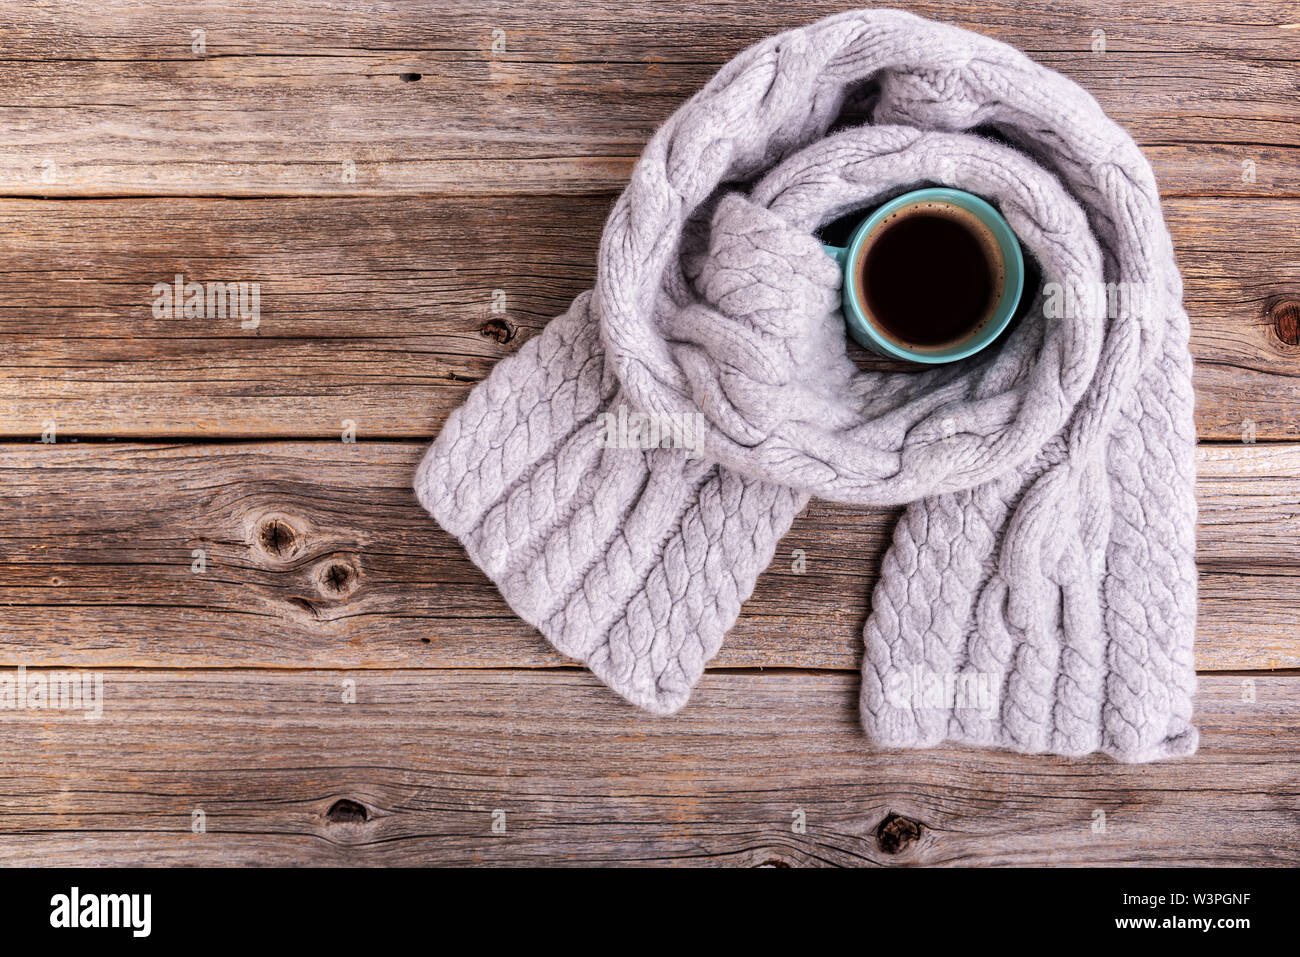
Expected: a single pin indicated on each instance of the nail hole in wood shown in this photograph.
(347, 812)
(896, 833)
(411, 77)
(1284, 314)
(277, 537)
(497, 329)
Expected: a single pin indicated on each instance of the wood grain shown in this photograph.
(552, 97)
(426, 758)
(318, 555)
(380, 311)
(386, 171)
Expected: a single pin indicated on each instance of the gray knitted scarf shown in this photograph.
(626, 475)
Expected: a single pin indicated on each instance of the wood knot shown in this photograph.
(337, 578)
(498, 329)
(897, 833)
(277, 537)
(1284, 316)
(345, 811)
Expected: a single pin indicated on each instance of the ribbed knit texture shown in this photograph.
(1045, 557)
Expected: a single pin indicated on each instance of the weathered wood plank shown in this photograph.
(121, 30)
(379, 311)
(428, 757)
(318, 555)
(114, 99)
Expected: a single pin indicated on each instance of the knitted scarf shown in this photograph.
(626, 475)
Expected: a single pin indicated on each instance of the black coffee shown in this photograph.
(930, 276)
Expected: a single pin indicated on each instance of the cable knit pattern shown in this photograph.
(1040, 591)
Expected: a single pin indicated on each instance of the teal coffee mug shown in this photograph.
(932, 276)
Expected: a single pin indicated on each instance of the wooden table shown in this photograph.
(300, 667)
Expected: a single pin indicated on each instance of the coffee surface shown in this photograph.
(929, 277)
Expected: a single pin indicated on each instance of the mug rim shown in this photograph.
(1013, 260)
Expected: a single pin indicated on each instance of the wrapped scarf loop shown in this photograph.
(1047, 546)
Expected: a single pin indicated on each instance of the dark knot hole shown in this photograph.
(896, 833)
(345, 811)
(277, 537)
